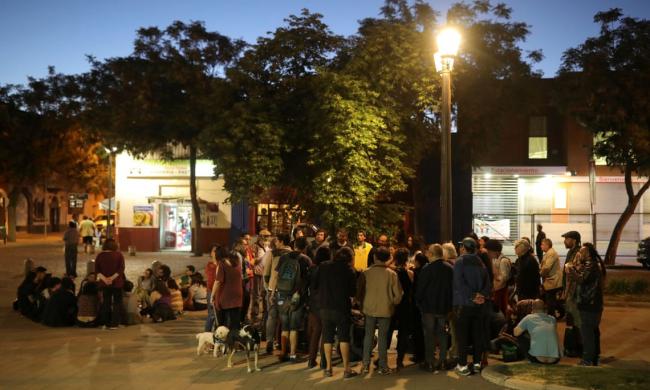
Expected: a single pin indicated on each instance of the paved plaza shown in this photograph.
(164, 355)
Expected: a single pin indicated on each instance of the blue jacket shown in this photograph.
(470, 277)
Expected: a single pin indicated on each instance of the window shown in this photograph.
(537, 138)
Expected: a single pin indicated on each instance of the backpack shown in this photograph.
(288, 274)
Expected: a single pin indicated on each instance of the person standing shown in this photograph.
(341, 241)
(572, 242)
(228, 290)
(378, 292)
(501, 266)
(279, 247)
(314, 322)
(434, 298)
(382, 241)
(87, 233)
(320, 239)
(258, 292)
(288, 286)
(402, 317)
(471, 287)
(361, 251)
(551, 272)
(541, 236)
(528, 280)
(336, 283)
(71, 240)
(590, 275)
(109, 266)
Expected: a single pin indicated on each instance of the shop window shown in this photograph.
(560, 198)
(537, 138)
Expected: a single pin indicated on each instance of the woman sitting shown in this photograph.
(61, 308)
(146, 284)
(197, 298)
(28, 293)
(176, 296)
(88, 302)
(161, 303)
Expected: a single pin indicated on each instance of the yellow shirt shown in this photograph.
(361, 256)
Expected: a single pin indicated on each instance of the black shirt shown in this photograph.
(336, 284)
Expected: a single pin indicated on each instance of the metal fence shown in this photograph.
(596, 228)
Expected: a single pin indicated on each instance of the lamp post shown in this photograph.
(448, 41)
(111, 152)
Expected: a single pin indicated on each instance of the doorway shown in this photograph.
(175, 226)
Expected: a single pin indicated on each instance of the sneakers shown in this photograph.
(349, 374)
(463, 370)
(428, 367)
(476, 367)
(327, 373)
(585, 363)
(293, 359)
(311, 364)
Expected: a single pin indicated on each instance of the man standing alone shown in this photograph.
(538, 242)
(87, 232)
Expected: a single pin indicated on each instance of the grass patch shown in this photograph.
(600, 378)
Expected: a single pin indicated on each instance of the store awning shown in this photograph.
(103, 205)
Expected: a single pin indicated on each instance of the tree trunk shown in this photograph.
(11, 215)
(632, 202)
(196, 210)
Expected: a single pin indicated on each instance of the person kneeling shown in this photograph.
(544, 341)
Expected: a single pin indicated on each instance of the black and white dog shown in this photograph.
(247, 338)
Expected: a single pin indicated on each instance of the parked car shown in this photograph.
(643, 253)
(100, 221)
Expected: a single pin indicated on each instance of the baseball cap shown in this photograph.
(469, 243)
(572, 234)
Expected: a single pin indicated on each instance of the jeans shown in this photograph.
(470, 326)
(589, 327)
(71, 260)
(271, 319)
(401, 321)
(258, 298)
(210, 321)
(383, 323)
(111, 310)
(434, 333)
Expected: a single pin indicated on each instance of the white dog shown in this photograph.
(216, 341)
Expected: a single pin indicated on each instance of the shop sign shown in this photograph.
(143, 215)
(523, 171)
(498, 230)
(159, 168)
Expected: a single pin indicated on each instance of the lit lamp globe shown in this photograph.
(448, 41)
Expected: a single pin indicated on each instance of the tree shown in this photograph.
(605, 83)
(41, 142)
(167, 92)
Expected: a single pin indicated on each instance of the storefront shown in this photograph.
(509, 202)
(154, 208)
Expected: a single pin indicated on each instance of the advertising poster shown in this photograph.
(143, 215)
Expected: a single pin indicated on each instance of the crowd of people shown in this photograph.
(318, 298)
(106, 298)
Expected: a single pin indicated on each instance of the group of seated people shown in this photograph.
(56, 302)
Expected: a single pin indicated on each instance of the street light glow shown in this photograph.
(448, 40)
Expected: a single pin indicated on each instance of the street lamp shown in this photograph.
(448, 40)
(111, 152)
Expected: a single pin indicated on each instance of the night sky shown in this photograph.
(35, 34)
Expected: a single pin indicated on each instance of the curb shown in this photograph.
(493, 376)
(608, 302)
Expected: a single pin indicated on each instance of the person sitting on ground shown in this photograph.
(88, 302)
(146, 284)
(177, 297)
(61, 308)
(544, 341)
(197, 297)
(185, 281)
(131, 314)
(28, 293)
(52, 284)
(161, 300)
